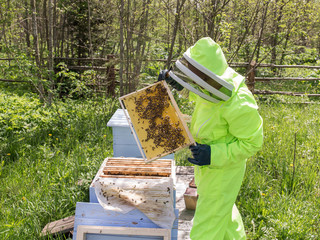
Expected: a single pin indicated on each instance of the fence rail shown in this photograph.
(110, 70)
(252, 79)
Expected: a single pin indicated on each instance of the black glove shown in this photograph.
(164, 75)
(201, 154)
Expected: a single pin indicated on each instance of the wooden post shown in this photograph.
(111, 76)
(251, 75)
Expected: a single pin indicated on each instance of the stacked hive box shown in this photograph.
(126, 151)
(93, 214)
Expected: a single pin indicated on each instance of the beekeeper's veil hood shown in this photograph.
(203, 70)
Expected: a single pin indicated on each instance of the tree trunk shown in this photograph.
(89, 31)
(141, 43)
(276, 22)
(27, 28)
(180, 4)
(50, 50)
(121, 47)
(128, 56)
(263, 21)
(36, 47)
(54, 22)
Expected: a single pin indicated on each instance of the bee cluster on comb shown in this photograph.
(160, 130)
(156, 120)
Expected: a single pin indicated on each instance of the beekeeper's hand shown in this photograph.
(164, 75)
(201, 154)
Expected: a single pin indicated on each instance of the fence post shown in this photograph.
(251, 75)
(111, 76)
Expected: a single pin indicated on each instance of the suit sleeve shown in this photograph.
(245, 125)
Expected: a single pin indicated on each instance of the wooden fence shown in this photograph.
(104, 81)
(107, 80)
(252, 78)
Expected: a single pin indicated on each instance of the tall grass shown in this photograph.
(280, 194)
(48, 159)
(49, 155)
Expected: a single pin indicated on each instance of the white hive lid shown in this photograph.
(118, 119)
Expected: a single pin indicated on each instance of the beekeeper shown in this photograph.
(227, 128)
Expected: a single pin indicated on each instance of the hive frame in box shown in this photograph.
(104, 164)
(92, 194)
(83, 230)
(177, 110)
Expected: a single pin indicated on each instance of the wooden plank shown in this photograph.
(157, 121)
(128, 159)
(136, 173)
(268, 79)
(138, 165)
(128, 176)
(137, 170)
(166, 164)
(64, 225)
(142, 162)
(285, 93)
(190, 198)
(128, 233)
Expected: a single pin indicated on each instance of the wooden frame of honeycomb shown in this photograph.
(156, 121)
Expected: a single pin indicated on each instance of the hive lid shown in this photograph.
(118, 119)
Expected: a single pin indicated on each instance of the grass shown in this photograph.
(49, 155)
(280, 194)
(48, 159)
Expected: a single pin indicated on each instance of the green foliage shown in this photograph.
(71, 84)
(300, 55)
(22, 68)
(48, 157)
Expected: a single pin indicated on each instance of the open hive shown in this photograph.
(157, 121)
(127, 193)
(136, 168)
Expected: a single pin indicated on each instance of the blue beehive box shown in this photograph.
(124, 144)
(93, 214)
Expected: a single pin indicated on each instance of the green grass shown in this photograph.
(49, 155)
(48, 159)
(280, 195)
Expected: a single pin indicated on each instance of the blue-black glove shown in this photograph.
(201, 154)
(164, 75)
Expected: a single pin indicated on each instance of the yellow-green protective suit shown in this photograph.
(233, 129)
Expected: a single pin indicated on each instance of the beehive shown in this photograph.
(133, 168)
(156, 121)
(93, 214)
